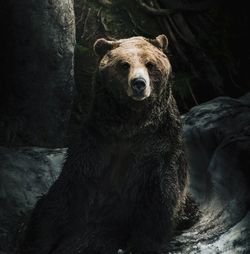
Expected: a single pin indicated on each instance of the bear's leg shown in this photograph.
(39, 237)
(188, 215)
(150, 231)
(143, 243)
(151, 228)
(94, 240)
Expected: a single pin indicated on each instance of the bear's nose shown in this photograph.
(138, 85)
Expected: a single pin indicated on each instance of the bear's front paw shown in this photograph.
(120, 251)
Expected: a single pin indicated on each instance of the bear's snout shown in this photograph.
(138, 85)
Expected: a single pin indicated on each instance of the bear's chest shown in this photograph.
(121, 164)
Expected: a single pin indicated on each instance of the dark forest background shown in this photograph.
(208, 41)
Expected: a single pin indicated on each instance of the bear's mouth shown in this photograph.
(139, 97)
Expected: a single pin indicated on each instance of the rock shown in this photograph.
(217, 136)
(37, 82)
(25, 175)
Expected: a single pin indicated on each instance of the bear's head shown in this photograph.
(134, 69)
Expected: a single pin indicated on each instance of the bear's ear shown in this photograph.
(161, 42)
(102, 46)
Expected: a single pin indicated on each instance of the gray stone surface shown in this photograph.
(25, 175)
(218, 145)
(38, 49)
(217, 136)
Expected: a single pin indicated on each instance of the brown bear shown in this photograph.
(124, 186)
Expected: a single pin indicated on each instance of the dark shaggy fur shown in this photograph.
(122, 187)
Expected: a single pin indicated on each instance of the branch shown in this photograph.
(107, 3)
(174, 6)
(137, 27)
(81, 16)
(154, 11)
(180, 5)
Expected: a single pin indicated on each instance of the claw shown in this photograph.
(120, 251)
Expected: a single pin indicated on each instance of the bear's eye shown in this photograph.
(150, 65)
(124, 65)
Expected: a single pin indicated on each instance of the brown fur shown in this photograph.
(124, 186)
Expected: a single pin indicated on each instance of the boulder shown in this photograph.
(25, 175)
(37, 80)
(217, 135)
